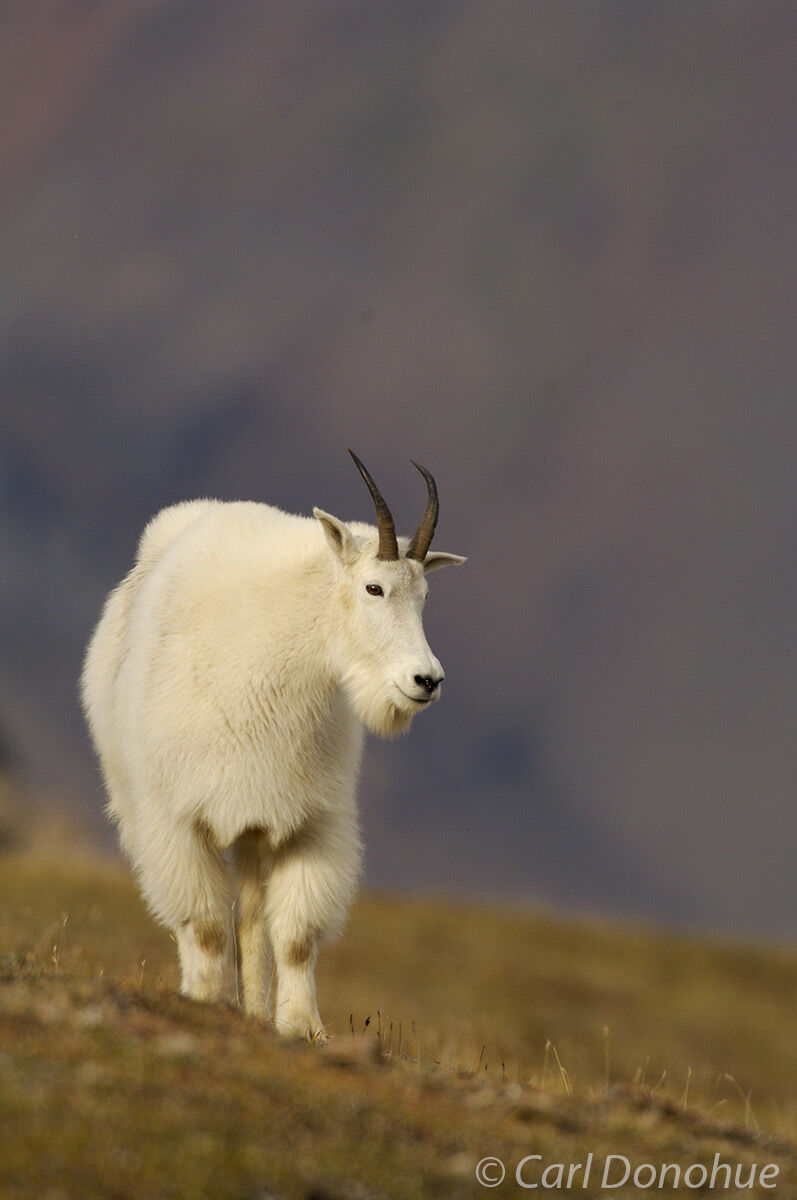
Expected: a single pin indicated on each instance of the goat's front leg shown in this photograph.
(312, 882)
(184, 880)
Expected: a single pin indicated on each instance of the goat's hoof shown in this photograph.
(302, 1031)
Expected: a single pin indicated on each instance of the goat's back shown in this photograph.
(108, 644)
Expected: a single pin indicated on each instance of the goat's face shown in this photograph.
(387, 667)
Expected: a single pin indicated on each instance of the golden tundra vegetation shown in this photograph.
(459, 1031)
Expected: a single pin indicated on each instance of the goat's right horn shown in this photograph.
(388, 545)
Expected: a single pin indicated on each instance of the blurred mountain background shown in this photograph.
(546, 249)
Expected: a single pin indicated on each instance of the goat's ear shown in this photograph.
(437, 558)
(338, 534)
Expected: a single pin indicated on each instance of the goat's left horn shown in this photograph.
(388, 545)
(420, 544)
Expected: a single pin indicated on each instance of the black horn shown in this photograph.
(388, 546)
(423, 537)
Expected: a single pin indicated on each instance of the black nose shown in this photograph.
(426, 681)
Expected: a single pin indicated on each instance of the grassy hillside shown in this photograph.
(459, 1033)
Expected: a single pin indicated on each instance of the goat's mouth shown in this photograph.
(419, 700)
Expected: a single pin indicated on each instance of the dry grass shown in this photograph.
(488, 1032)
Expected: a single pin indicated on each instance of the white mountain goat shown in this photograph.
(226, 687)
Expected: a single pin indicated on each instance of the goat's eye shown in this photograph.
(373, 589)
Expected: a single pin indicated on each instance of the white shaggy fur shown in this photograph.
(226, 687)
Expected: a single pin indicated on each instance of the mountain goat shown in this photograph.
(226, 687)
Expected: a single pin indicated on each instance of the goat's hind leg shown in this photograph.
(253, 945)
